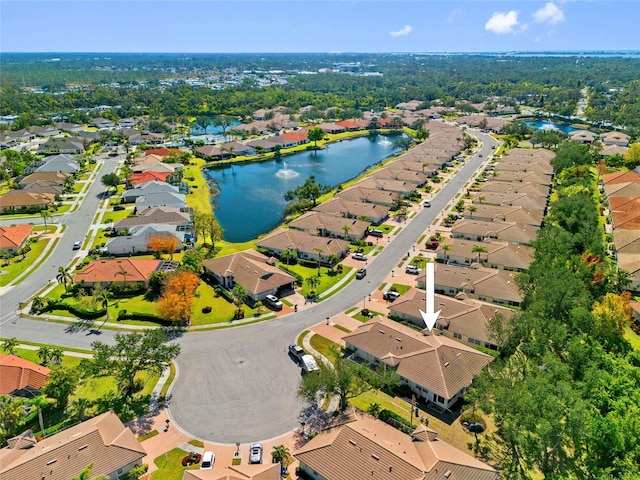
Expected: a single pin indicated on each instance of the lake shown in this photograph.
(547, 125)
(250, 199)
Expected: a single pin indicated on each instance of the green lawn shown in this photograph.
(170, 465)
(325, 346)
(32, 356)
(18, 265)
(114, 216)
(328, 278)
(199, 197)
(632, 338)
(401, 289)
(358, 316)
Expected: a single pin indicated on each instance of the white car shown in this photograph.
(413, 270)
(359, 256)
(273, 301)
(77, 245)
(208, 459)
(255, 453)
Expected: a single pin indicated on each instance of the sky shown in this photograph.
(235, 26)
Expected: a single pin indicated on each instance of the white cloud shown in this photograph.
(406, 30)
(454, 14)
(501, 23)
(550, 13)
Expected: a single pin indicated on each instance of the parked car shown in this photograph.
(359, 256)
(273, 302)
(376, 233)
(309, 364)
(427, 203)
(361, 273)
(255, 453)
(118, 208)
(77, 245)
(297, 352)
(432, 245)
(208, 458)
(413, 269)
(390, 295)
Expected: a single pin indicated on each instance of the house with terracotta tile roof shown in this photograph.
(349, 125)
(625, 212)
(376, 214)
(500, 255)
(14, 237)
(255, 471)
(330, 225)
(112, 270)
(148, 176)
(485, 284)
(306, 246)
(163, 152)
(20, 377)
(298, 136)
(479, 230)
(19, 200)
(465, 320)
(256, 272)
(351, 450)
(437, 369)
(102, 441)
(621, 177)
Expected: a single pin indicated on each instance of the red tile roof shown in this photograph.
(17, 373)
(149, 176)
(295, 136)
(13, 237)
(138, 270)
(163, 152)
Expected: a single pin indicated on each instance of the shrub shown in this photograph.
(206, 309)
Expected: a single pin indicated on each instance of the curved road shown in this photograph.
(239, 384)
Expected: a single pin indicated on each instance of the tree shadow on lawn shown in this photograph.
(314, 419)
(144, 423)
(126, 408)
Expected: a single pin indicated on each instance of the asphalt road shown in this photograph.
(239, 384)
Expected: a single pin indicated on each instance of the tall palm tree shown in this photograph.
(313, 282)
(40, 402)
(281, 454)
(320, 252)
(9, 345)
(80, 406)
(346, 229)
(471, 208)
(479, 249)
(55, 355)
(239, 294)
(45, 213)
(102, 297)
(445, 247)
(44, 354)
(64, 276)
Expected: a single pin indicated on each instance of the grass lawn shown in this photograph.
(199, 197)
(32, 356)
(325, 346)
(113, 216)
(18, 265)
(632, 338)
(401, 289)
(227, 248)
(358, 316)
(221, 310)
(328, 278)
(170, 465)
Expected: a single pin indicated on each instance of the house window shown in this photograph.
(483, 298)
(439, 399)
(474, 341)
(457, 336)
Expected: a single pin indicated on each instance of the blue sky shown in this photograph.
(317, 26)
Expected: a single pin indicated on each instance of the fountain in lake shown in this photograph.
(284, 172)
(384, 141)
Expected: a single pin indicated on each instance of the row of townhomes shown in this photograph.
(622, 190)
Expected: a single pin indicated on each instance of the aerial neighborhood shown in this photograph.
(305, 351)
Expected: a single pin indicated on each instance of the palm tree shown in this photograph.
(313, 282)
(55, 355)
(44, 354)
(79, 408)
(239, 294)
(445, 248)
(102, 296)
(9, 345)
(320, 251)
(333, 260)
(85, 474)
(346, 231)
(471, 208)
(64, 276)
(281, 454)
(479, 249)
(481, 198)
(40, 402)
(288, 255)
(45, 213)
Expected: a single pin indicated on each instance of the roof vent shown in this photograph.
(446, 364)
(447, 474)
(375, 457)
(50, 462)
(352, 442)
(381, 331)
(83, 447)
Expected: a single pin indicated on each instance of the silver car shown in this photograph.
(255, 453)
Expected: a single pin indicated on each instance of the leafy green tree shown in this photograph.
(192, 261)
(315, 134)
(289, 256)
(310, 190)
(11, 417)
(40, 402)
(45, 214)
(421, 134)
(80, 408)
(111, 180)
(60, 384)
(131, 354)
(44, 353)
(403, 143)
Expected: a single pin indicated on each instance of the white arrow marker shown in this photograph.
(429, 316)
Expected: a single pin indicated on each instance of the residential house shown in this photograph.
(236, 148)
(306, 246)
(532, 202)
(615, 138)
(627, 241)
(527, 188)
(437, 369)
(464, 320)
(117, 270)
(262, 143)
(255, 471)
(631, 263)
(376, 214)
(582, 136)
(479, 230)
(627, 176)
(626, 189)
(20, 377)
(14, 237)
(351, 450)
(392, 172)
(537, 168)
(500, 255)
(20, 136)
(368, 195)
(256, 272)
(138, 238)
(299, 137)
(519, 177)
(163, 152)
(19, 201)
(102, 123)
(625, 212)
(611, 150)
(46, 131)
(147, 138)
(127, 123)
(506, 214)
(411, 105)
(398, 187)
(162, 199)
(61, 145)
(484, 284)
(329, 127)
(352, 125)
(160, 215)
(148, 176)
(103, 442)
(211, 152)
(63, 163)
(152, 187)
(44, 182)
(530, 155)
(330, 225)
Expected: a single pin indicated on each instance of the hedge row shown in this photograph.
(78, 312)
(147, 317)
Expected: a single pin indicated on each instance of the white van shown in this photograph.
(208, 458)
(309, 364)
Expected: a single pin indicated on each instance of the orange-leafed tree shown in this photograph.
(160, 244)
(613, 315)
(179, 291)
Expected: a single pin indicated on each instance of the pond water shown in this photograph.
(250, 199)
(548, 125)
